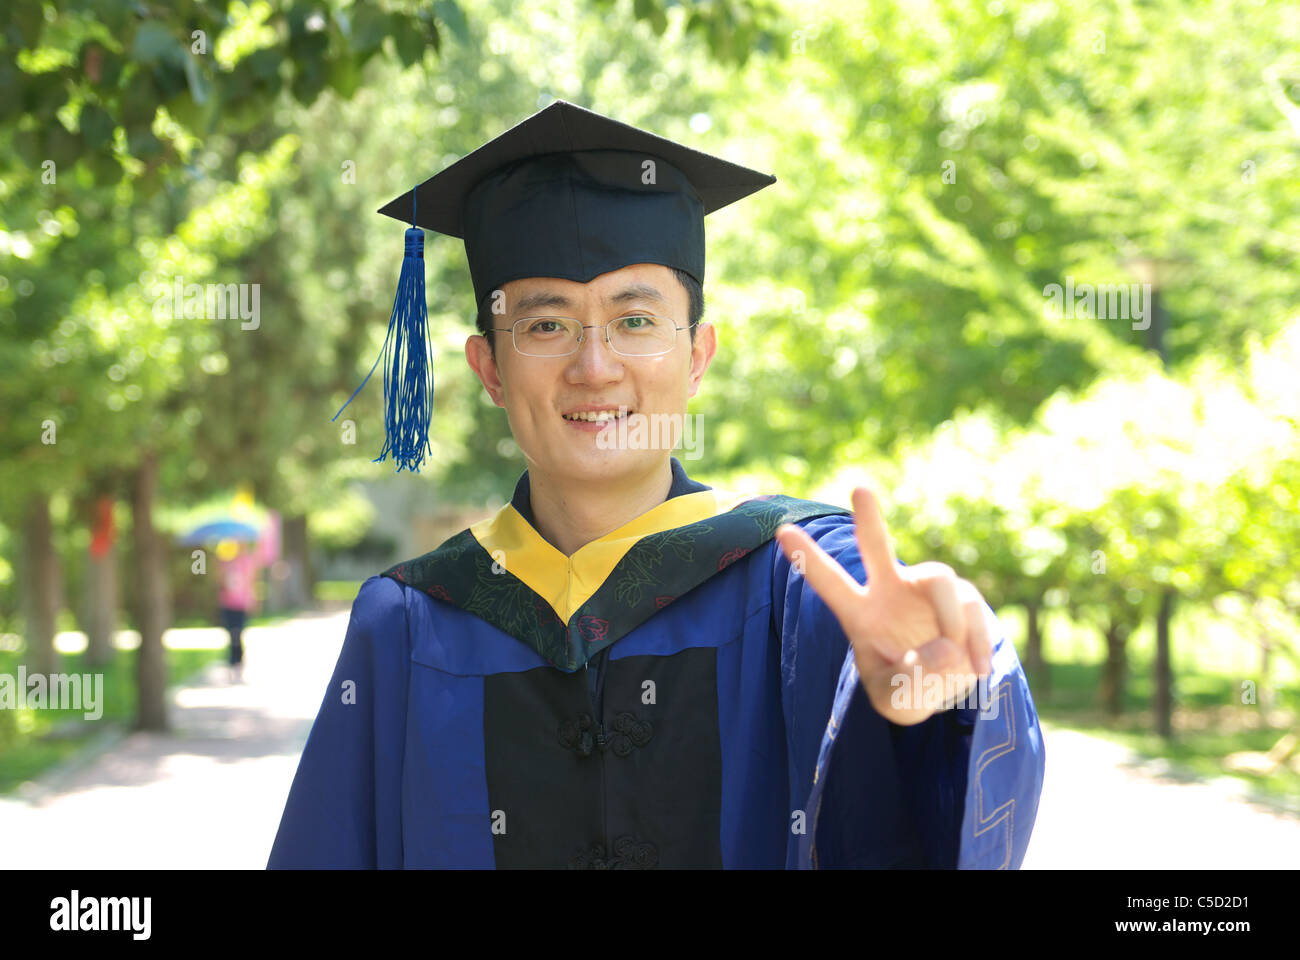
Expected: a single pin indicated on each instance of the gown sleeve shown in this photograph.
(344, 807)
(960, 789)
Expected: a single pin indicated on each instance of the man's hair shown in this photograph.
(694, 312)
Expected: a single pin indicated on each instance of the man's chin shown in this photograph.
(590, 463)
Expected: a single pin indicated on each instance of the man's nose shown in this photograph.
(596, 358)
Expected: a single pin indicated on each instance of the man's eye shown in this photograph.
(541, 326)
(638, 323)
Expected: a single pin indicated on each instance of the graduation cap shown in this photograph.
(566, 193)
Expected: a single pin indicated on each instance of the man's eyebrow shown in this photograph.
(637, 291)
(546, 298)
(543, 298)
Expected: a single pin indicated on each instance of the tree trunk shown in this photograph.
(1265, 669)
(42, 593)
(151, 599)
(1164, 705)
(1265, 693)
(1035, 664)
(301, 588)
(101, 583)
(1156, 330)
(101, 607)
(1112, 675)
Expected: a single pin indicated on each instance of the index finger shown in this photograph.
(873, 536)
(829, 579)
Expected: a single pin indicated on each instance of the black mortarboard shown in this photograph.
(566, 193)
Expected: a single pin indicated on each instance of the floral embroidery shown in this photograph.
(592, 629)
(730, 557)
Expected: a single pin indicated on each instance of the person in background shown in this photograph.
(237, 596)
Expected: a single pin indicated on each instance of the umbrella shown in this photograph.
(221, 530)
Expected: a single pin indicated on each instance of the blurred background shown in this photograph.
(1030, 268)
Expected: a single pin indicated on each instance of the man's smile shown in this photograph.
(595, 416)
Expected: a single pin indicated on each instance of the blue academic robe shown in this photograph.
(723, 725)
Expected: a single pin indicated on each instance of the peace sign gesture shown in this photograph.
(902, 617)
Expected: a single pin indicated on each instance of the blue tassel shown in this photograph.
(408, 377)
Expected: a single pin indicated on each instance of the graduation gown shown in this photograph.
(672, 695)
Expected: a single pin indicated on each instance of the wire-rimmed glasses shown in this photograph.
(639, 335)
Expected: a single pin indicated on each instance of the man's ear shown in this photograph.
(702, 351)
(479, 355)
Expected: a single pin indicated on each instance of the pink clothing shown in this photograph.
(268, 544)
(238, 580)
(239, 576)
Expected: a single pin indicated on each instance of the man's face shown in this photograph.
(537, 392)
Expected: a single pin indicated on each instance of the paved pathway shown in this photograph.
(207, 795)
(1104, 808)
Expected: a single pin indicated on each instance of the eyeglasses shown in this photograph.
(642, 335)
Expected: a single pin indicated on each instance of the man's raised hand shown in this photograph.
(901, 617)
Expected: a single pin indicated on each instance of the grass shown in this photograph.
(32, 741)
(337, 592)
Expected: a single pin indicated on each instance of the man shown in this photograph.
(620, 668)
